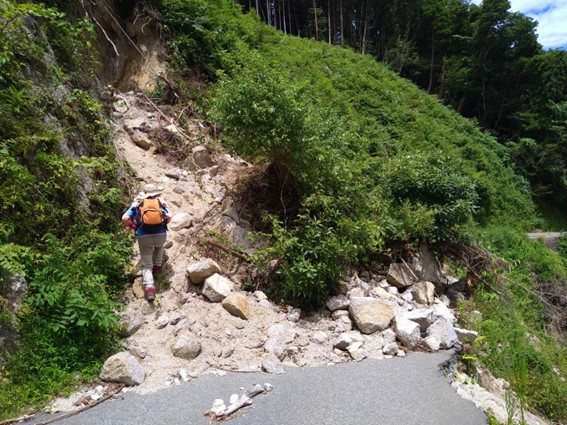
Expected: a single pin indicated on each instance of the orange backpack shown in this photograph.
(151, 215)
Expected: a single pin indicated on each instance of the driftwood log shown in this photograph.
(244, 400)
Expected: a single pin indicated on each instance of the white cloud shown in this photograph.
(551, 16)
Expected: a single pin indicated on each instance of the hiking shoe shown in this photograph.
(150, 293)
(157, 269)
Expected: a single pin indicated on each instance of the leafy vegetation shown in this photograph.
(363, 162)
(60, 199)
(483, 59)
(524, 316)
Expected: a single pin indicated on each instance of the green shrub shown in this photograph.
(58, 212)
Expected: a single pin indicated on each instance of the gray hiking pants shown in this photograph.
(151, 251)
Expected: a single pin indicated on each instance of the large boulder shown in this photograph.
(407, 332)
(370, 315)
(401, 275)
(217, 287)
(124, 368)
(200, 270)
(186, 346)
(443, 331)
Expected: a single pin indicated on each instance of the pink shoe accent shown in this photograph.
(157, 269)
(150, 293)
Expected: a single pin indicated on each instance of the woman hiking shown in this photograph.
(149, 215)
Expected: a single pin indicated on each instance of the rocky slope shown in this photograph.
(202, 320)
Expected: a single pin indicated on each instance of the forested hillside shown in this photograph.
(356, 167)
(483, 60)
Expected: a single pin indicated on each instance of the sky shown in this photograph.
(551, 16)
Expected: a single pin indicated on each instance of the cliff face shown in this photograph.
(129, 45)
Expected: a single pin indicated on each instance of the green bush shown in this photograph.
(58, 212)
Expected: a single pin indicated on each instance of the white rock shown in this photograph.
(443, 330)
(441, 310)
(186, 346)
(391, 349)
(180, 221)
(123, 367)
(200, 270)
(370, 315)
(259, 295)
(320, 337)
(161, 322)
(422, 316)
(432, 343)
(237, 305)
(465, 335)
(217, 287)
(218, 406)
(184, 375)
(423, 292)
(276, 346)
(407, 296)
(287, 332)
(338, 302)
(271, 364)
(407, 332)
(355, 351)
(294, 315)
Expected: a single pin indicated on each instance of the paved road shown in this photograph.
(551, 239)
(399, 391)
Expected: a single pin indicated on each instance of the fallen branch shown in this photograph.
(245, 399)
(82, 409)
(20, 419)
(165, 117)
(227, 249)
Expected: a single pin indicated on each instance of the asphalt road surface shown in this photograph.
(398, 391)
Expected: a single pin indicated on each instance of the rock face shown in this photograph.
(186, 346)
(217, 287)
(199, 271)
(123, 368)
(370, 315)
